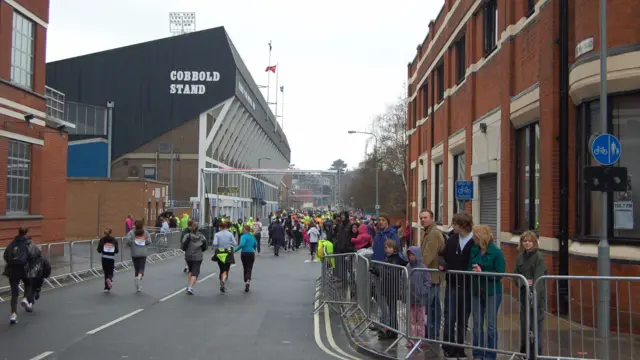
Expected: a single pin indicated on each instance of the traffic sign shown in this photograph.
(464, 190)
(606, 149)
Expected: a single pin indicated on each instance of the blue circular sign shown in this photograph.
(606, 149)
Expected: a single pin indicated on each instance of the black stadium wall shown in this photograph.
(158, 85)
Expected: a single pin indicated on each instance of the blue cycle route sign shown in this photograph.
(606, 149)
(464, 190)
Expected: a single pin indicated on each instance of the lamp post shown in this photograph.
(375, 155)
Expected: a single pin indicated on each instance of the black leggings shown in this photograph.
(139, 264)
(14, 283)
(107, 267)
(247, 258)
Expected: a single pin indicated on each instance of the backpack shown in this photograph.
(17, 253)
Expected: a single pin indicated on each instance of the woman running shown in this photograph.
(223, 244)
(138, 239)
(108, 247)
(247, 248)
(194, 244)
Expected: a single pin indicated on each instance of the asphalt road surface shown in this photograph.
(274, 320)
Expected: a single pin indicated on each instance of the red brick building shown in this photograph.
(33, 150)
(495, 100)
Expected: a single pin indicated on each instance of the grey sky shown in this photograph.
(340, 62)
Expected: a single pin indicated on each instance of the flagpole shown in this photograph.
(282, 114)
(269, 74)
(277, 88)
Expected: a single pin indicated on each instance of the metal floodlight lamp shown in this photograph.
(351, 131)
(28, 119)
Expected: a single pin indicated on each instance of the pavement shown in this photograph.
(274, 320)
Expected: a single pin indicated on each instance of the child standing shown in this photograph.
(420, 283)
(530, 264)
(108, 247)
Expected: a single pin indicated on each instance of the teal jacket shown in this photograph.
(492, 261)
(248, 243)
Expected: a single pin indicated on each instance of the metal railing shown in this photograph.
(488, 314)
(76, 261)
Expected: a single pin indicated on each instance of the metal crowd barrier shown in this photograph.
(76, 261)
(519, 324)
(576, 336)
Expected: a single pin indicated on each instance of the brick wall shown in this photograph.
(93, 204)
(530, 57)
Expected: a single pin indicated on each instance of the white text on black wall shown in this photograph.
(193, 77)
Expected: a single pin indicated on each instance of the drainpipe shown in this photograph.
(110, 106)
(563, 238)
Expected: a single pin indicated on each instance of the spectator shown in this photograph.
(457, 297)
(530, 264)
(486, 293)
(431, 245)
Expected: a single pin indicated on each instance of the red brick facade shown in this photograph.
(506, 89)
(46, 216)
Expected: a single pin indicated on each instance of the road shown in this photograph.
(273, 321)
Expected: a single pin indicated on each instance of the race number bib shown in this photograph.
(140, 241)
(108, 248)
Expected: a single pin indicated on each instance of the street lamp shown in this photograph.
(375, 155)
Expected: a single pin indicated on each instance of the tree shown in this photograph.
(338, 164)
(390, 128)
(361, 192)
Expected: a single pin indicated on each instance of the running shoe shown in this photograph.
(13, 319)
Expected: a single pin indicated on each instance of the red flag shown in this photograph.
(270, 68)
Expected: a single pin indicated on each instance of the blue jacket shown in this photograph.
(248, 243)
(378, 243)
(420, 280)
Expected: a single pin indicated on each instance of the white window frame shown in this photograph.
(440, 192)
(18, 178)
(22, 50)
(144, 172)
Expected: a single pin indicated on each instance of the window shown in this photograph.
(414, 111)
(461, 65)
(150, 172)
(22, 50)
(624, 112)
(531, 6)
(439, 193)
(490, 26)
(440, 75)
(424, 188)
(459, 174)
(425, 97)
(18, 178)
(528, 166)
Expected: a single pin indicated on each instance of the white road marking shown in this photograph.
(43, 355)
(316, 335)
(184, 289)
(114, 322)
(332, 342)
(203, 279)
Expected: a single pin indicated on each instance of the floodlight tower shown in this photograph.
(182, 22)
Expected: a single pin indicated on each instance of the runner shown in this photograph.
(193, 244)
(138, 240)
(247, 248)
(223, 245)
(18, 256)
(108, 247)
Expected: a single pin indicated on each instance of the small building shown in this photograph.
(94, 204)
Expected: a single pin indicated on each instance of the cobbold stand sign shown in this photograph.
(191, 82)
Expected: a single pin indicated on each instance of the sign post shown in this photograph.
(611, 155)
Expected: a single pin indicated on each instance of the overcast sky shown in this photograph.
(340, 62)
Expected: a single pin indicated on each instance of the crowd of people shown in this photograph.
(463, 262)
(434, 265)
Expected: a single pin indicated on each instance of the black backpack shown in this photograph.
(18, 253)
